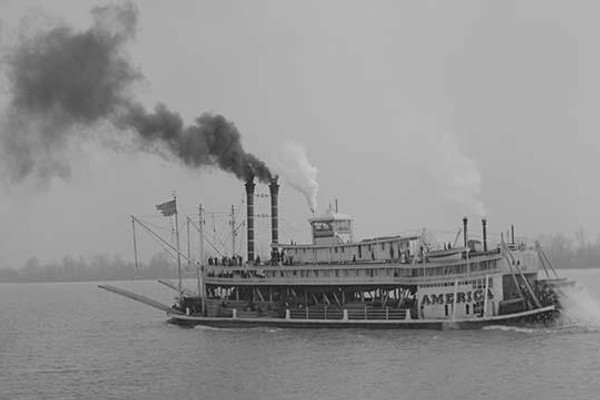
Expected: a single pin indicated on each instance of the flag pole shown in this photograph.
(178, 253)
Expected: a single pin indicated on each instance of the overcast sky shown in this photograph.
(414, 112)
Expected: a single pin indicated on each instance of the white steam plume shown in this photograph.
(293, 166)
(457, 176)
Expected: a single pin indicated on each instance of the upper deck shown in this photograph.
(334, 258)
(386, 249)
(362, 273)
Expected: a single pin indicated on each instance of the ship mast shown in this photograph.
(180, 285)
(135, 253)
(232, 231)
(200, 270)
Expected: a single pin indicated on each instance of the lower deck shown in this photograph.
(541, 315)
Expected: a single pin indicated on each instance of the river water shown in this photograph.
(75, 341)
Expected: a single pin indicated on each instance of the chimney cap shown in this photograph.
(250, 183)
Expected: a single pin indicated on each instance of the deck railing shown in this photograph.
(351, 313)
(382, 273)
(343, 280)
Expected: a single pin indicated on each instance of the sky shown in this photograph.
(415, 114)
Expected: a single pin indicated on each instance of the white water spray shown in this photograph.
(579, 307)
(291, 163)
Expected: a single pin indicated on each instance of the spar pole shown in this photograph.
(135, 255)
(180, 286)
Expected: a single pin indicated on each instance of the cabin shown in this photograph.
(333, 243)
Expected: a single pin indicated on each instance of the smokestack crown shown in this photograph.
(250, 185)
(274, 185)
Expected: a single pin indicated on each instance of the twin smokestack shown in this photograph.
(274, 189)
(484, 228)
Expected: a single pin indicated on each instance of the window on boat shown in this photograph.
(337, 273)
(359, 251)
(446, 309)
(342, 249)
(345, 272)
(336, 250)
(302, 273)
(316, 273)
(467, 309)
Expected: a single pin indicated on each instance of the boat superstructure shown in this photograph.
(397, 281)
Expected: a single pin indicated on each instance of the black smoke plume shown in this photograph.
(63, 80)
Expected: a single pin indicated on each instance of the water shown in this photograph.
(73, 341)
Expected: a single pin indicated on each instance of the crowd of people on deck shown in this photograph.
(226, 261)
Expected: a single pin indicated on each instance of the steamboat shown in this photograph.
(390, 282)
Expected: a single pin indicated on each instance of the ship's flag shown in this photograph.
(167, 209)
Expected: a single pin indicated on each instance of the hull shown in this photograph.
(521, 318)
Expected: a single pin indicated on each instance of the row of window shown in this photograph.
(477, 283)
(396, 272)
(341, 249)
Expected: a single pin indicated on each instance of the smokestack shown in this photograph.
(250, 185)
(484, 226)
(465, 223)
(274, 188)
(512, 234)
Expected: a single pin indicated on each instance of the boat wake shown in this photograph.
(580, 313)
(213, 328)
(579, 308)
(506, 328)
(237, 329)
